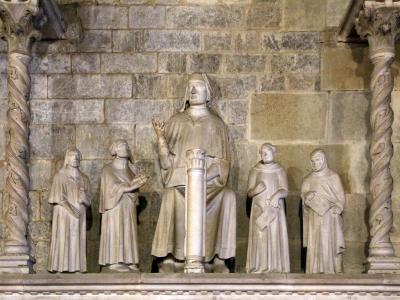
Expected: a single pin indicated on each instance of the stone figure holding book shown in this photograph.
(70, 195)
(118, 200)
(323, 202)
(268, 247)
(195, 126)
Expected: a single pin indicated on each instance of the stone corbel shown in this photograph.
(20, 27)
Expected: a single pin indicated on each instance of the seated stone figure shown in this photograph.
(119, 251)
(268, 248)
(70, 195)
(196, 126)
(323, 203)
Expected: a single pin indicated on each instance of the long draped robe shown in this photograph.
(68, 236)
(323, 231)
(119, 237)
(268, 247)
(210, 134)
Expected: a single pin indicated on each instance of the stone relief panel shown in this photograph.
(124, 63)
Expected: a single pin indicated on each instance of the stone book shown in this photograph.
(319, 205)
(266, 217)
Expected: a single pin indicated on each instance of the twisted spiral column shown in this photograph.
(17, 27)
(17, 153)
(381, 152)
(379, 23)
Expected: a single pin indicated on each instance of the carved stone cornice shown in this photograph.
(20, 20)
(197, 286)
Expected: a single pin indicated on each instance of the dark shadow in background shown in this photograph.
(141, 207)
(303, 255)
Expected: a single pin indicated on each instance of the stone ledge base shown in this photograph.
(200, 286)
(383, 265)
(17, 264)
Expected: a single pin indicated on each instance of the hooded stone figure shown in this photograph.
(70, 195)
(118, 200)
(195, 126)
(323, 202)
(268, 247)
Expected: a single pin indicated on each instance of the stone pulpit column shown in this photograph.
(379, 23)
(195, 211)
(18, 29)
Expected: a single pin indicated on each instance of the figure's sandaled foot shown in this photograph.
(119, 268)
(219, 266)
(167, 266)
(115, 268)
(105, 269)
(208, 267)
(179, 266)
(134, 268)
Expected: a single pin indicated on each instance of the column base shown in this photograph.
(17, 264)
(196, 267)
(16, 249)
(383, 265)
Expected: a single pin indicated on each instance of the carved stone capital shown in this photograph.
(380, 24)
(20, 18)
(195, 159)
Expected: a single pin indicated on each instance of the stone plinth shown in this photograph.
(382, 265)
(20, 264)
(200, 286)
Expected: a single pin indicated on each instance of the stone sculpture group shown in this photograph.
(196, 229)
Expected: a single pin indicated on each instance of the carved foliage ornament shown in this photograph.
(380, 25)
(20, 18)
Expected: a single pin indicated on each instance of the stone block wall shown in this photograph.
(278, 76)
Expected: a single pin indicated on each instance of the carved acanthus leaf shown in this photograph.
(380, 25)
(19, 22)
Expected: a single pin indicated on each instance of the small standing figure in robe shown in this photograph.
(195, 126)
(323, 202)
(268, 248)
(118, 200)
(70, 195)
